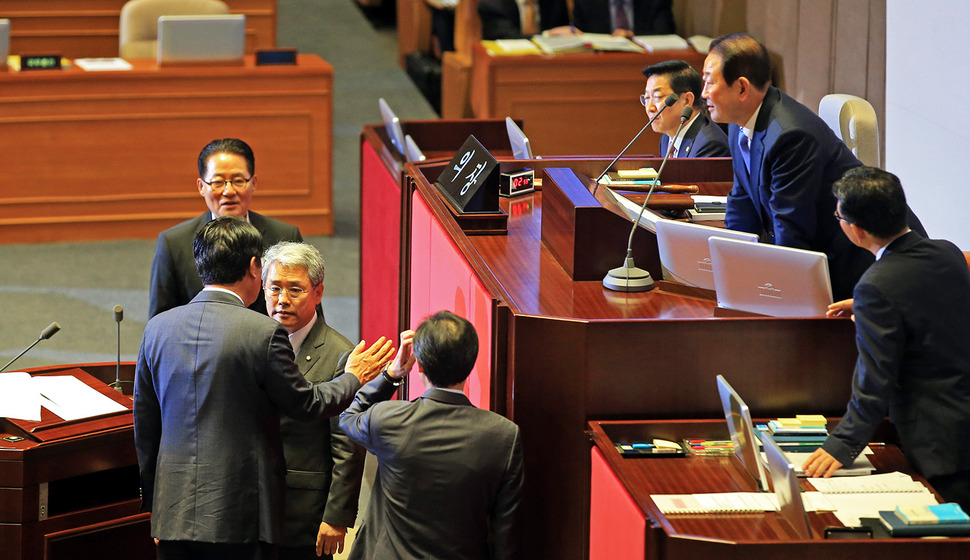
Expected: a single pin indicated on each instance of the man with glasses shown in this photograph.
(324, 467)
(227, 179)
(699, 137)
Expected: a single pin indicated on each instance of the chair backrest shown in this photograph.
(854, 121)
(138, 34)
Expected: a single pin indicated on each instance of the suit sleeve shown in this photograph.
(741, 215)
(292, 394)
(356, 420)
(163, 285)
(348, 469)
(880, 340)
(148, 427)
(498, 19)
(710, 147)
(507, 503)
(797, 168)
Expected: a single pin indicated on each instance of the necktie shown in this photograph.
(621, 20)
(529, 27)
(743, 142)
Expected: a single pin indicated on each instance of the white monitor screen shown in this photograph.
(741, 428)
(521, 149)
(770, 279)
(411, 150)
(393, 126)
(685, 254)
(201, 39)
(4, 41)
(787, 489)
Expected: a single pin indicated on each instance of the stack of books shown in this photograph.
(630, 177)
(803, 434)
(941, 520)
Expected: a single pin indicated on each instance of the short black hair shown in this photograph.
(223, 249)
(872, 199)
(683, 78)
(446, 345)
(743, 55)
(227, 146)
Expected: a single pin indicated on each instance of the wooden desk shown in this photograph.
(69, 490)
(625, 523)
(109, 155)
(89, 28)
(555, 353)
(571, 104)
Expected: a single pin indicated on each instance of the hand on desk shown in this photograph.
(366, 364)
(330, 539)
(561, 31)
(821, 463)
(841, 309)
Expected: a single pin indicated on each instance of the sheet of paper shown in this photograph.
(71, 399)
(632, 209)
(850, 507)
(18, 397)
(103, 64)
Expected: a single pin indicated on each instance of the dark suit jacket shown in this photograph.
(449, 476)
(500, 18)
(210, 383)
(175, 279)
(912, 319)
(650, 17)
(323, 467)
(704, 138)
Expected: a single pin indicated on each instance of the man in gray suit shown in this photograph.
(449, 476)
(210, 383)
(323, 467)
(227, 180)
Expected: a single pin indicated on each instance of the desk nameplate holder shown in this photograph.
(469, 185)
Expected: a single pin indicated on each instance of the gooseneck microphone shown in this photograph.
(668, 101)
(44, 335)
(629, 278)
(119, 313)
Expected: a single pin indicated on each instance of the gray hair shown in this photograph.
(292, 254)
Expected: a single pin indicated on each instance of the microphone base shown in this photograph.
(628, 278)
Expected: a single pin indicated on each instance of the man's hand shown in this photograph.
(330, 539)
(841, 309)
(821, 463)
(404, 360)
(366, 364)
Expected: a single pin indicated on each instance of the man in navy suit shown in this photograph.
(449, 475)
(227, 179)
(626, 18)
(210, 383)
(699, 137)
(912, 318)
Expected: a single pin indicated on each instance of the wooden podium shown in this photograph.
(70, 489)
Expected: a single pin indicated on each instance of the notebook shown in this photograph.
(198, 39)
(770, 279)
(685, 255)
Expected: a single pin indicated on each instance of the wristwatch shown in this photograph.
(395, 381)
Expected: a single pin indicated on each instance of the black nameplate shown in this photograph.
(40, 62)
(471, 182)
(275, 56)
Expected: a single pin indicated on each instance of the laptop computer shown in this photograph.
(741, 428)
(197, 39)
(392, 125)
(521, 148)
(685, 255)
(787, 489)
(770, 279)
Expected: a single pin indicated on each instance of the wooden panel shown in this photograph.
(89, 28)
(126, 145)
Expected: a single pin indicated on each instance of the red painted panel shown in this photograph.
(380, 247)
(617, 527)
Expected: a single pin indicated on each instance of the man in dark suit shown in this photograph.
(210, 382)
(227, 179)
(449, 475)
(624, 17)
(785, 160)
(323, 467)
(503, 19)
(912, 318)
(699, 137)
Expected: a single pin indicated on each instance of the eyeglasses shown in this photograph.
(293, 291)
(657, 99)
(239, 183)
(840, 217)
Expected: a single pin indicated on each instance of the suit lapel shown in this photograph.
(762, 192)
(688, 142)
(310, 350)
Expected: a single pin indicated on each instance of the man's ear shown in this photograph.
(256, 268)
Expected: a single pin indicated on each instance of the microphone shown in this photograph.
(668, 101)
(629, 278)
(44, 335)
(119, 315)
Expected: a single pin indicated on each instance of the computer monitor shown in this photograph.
(787, 489)
(521, 149)
(4, 42)
(770, 279)
(685, 255)
(392, 125)
(201, 39)
(411, 150)
(741, 428)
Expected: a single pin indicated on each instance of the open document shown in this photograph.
(21, 397)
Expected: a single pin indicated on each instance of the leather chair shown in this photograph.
(138, 34)
(854, 121)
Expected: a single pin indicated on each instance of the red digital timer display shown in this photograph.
(517, 182)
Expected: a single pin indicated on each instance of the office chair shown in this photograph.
(854, 121)
(138, 34)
